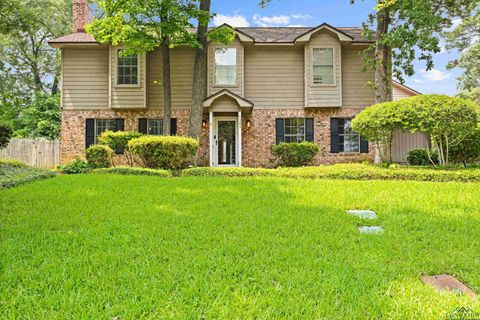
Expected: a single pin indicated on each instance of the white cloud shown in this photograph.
(272, 21)
(455, 24)
(235, 20)
(435, 75)
(417, 80)
(280, 20)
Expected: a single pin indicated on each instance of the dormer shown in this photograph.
(323, 65)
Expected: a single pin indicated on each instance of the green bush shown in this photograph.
(419, 157)
(14, 173)
(351, 171)
(76, 166)
(13, 163)
(118, 141)
(6, 133)
(164, 152)
(468, 151)
(294, 154)
(132, 171)
(99, 156)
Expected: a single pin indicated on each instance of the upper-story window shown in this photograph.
(323, 72)
(127, 69)
(225, 66)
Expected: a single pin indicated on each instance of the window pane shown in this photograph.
(155, 126)
(102, 125)
(294, 129)
(323, 65)
(225, 66)
(127, 69)
(351, 143)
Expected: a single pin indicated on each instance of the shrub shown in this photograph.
(99, 156)
(164, 152)
(294, 154)
(76, 166)
(6, 133)
(419, 157)
(468, 151)
(118, 141)
(13, 163)
(135, 171)
(14, 173)
(350, 171)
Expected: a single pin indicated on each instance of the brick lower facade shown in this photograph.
(256, 140)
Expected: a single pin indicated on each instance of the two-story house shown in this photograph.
(269, 85)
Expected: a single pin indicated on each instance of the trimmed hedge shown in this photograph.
(99, 156)
(164, 152)
(135, 171)
(14, 173)
(13, 163)
(419, 157)
(294, 154)
(348, 172)
(76, 166)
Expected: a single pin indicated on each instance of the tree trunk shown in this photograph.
(55, 84)
(199, 85)
(383, 72)
(167, 89)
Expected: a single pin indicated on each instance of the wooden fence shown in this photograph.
(38, 153)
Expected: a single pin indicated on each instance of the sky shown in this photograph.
(338, 13)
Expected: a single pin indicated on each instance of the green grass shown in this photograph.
(132, 247)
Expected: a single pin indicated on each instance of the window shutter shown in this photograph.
(309, 129)
(120, 124)
(89, 132)
(173, 126)
(279, 130)
(142, 125)
(363, 145)
(334, 137)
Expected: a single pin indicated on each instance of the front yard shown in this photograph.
(129, 247)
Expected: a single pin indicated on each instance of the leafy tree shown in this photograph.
(449, 122)
(5, 134)
(407, 30)
(466, 39)
(144, 25)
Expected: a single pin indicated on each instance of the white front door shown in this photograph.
(225, 142)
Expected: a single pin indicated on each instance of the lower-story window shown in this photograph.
(344, 138)
(95, 127)
(293, 129)
(155, 126)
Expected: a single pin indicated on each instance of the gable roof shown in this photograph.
(273, 35)
(406, 88)
(242, 102)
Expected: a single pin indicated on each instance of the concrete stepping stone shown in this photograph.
(364, 214)
(446, 282)
(370, 229)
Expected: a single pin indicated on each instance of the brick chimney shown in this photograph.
(81, 15)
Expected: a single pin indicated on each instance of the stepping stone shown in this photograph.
(364, 214)
(370, 229)
(446, 282)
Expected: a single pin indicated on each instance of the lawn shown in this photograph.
(129, 247)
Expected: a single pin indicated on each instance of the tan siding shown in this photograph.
(238, 88)
(323, 95)
(181, 69)
(127, 97)
(274, 77)
(399, 93)
(225, 104)
(356, 92)
(85, 78)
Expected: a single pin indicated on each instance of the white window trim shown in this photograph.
(139, 64)
(334, 55)
(214, 71)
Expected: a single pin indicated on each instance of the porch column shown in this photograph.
(210, 136)
(239, 138)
